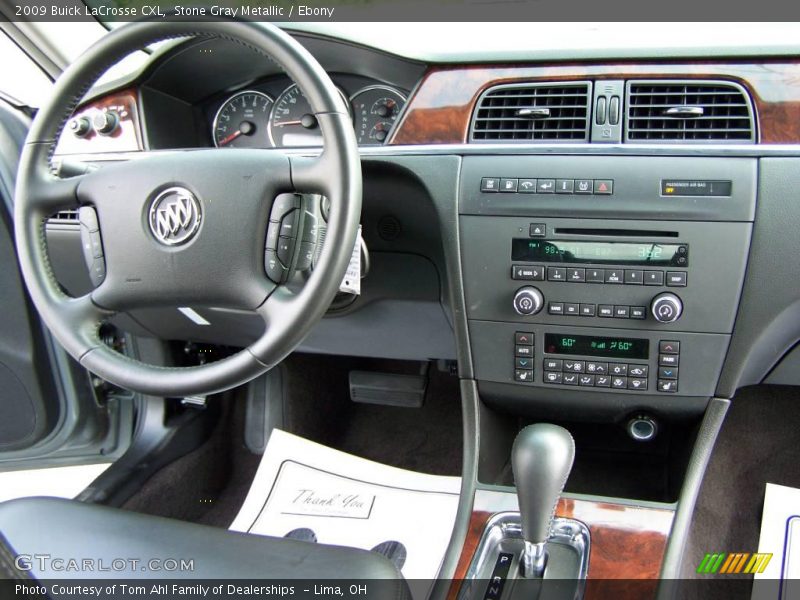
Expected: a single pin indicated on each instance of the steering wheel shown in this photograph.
(187, 228)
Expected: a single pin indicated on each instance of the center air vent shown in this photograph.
(689, 111)
(544, 112)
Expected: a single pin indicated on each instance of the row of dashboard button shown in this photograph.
(609, 381)
(521, 185)
(595, 367)
(612, 276)
(573, 309)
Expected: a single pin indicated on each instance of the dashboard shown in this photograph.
(597, 233)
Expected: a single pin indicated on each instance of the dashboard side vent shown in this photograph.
(538, 112)
(689, 112)
(65, 216)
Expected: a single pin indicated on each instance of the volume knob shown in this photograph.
(528, 300)
(666, 308)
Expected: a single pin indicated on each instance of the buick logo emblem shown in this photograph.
(174, 216)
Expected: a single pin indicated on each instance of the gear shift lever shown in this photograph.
(541, 459)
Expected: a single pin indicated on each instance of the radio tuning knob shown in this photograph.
(666, 308)
(528, 300)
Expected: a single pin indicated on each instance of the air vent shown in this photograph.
(539, 112)
(689, 112)
(65, 216)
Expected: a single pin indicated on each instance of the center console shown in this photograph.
(603, 278)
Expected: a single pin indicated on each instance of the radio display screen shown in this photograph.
(588, 345)
(653, 254)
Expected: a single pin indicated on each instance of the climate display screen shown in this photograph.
(588, 345)
(582, 252)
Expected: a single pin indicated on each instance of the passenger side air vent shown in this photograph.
(540, 112)
(689, 112)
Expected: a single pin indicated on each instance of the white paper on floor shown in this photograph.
(780, 536)
(349, 501)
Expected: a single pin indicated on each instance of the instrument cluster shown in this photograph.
(254, 118)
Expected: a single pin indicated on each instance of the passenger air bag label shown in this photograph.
(695, 187)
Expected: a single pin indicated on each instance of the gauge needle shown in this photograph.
(298, 122)
(228, 139)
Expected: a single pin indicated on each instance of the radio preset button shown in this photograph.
(654, 277)
(595, 275)
(555, 308)
(633, 277)
(576, 275)
(556, 274)
(605, 310)
(614, 276)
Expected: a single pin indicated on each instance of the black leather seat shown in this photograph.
(66, 529)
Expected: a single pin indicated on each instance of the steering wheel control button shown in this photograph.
(97, 272)
(274, 268)
(528, 301)
(88, 218)
(305, 256)
(666, 308)
(273, 233)
(284, 250)
(174, 216)
(289, 224)
(284, 204)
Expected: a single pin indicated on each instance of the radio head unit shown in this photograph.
(654, 254)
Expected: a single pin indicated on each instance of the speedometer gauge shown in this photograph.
(243, 121)
(375, 111)
(293, 122)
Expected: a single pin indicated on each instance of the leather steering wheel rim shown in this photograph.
(258, 176)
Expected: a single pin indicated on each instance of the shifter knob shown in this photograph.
(541, 459)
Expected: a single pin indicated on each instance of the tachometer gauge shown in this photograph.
(293, 122)
(243, 121)
(375, 110)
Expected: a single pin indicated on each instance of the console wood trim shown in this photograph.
(439, 110)
(627, 547)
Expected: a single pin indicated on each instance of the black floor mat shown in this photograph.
(759, 443)
(427, 439)
(210, 484)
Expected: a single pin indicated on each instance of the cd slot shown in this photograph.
(650, 233)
